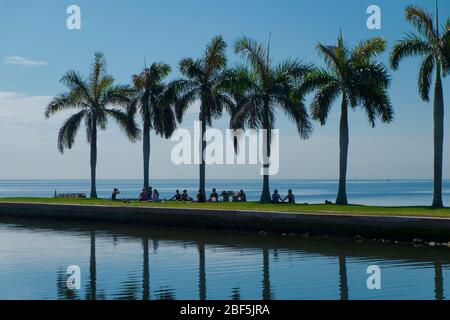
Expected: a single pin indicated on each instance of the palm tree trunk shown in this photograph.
(265, 194)
(343, 154)
(202, 272)
(92, 270)
(146, 149)
(93, 158)
(438, 118)
(202, 185)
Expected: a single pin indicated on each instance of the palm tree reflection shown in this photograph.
(438, 281)
(266, 293)
(343, 281)
(202, 271)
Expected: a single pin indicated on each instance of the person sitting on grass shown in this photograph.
(150, 193)
(201, 197)
(276, 198)
(185, 196)
(290, 197)
(214, 197)
(155, 197)
(235, 196)
(143, 196)
(115, 193)
(225, 196)
(242, 196)
(177, 196)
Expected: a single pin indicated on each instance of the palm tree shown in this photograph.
(154, 100)
(352, 75)
(205, 80)
(434, 47)
(265, 90)
(92, 96)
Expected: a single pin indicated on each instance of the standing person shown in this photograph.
(115, 193)
(290, 197)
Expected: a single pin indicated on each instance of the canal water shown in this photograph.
(143, 263)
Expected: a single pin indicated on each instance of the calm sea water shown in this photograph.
(369, 192)
(122, 263)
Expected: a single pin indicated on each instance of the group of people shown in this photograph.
(277, 198)
(150, 194)
(213, 197)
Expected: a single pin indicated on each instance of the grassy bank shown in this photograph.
(253, 206)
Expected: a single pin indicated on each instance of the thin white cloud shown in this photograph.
(26, 62)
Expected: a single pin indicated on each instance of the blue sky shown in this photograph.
(36, 49)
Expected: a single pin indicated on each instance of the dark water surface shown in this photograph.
(138, 263)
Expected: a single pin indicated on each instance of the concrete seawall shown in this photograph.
(398, 228)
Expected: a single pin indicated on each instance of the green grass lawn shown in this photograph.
(253, 206)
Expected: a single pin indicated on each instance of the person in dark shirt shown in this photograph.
(201, 196)
(143, 196)
(177, 196)
(115, 193)
(290, 197)
(276, 198)
(185, 196)
(214, 197)
(225, 196)
(242, 196)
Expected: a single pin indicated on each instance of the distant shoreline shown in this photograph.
(356, 221)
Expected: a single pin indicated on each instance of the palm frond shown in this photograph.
(422, 21)
(323, 100)
(68, 131)
(191, 69)
(119, 95)
(411, 45)
(367, 49)
(71, 100)
(254, 53)
(426, 77)
(128, 126)
(215, 58)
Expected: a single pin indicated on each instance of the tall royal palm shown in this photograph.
(205, 81)
(92, 96)
(352, 75)
(434, 47)
(155, 102)
(266, 90)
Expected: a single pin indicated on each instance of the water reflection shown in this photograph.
(146, 271)
(274, 267)
(343, 281)
(266, 290)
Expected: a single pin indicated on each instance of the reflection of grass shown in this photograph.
(251, 206)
